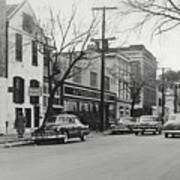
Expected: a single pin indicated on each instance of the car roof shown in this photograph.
(64, 115)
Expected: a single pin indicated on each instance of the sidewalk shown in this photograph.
(11, 140)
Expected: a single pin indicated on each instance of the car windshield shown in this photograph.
(148, 118)
(77, 122)
(174, 117)
(57, 120)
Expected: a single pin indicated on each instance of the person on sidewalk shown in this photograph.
(20, 123)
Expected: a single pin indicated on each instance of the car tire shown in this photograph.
(83, 137)
(66, 138)
(166, 135)
(142, 133)
(136, 133)
(154, 133)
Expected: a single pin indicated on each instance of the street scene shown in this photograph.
(89, 89)
(114, 157)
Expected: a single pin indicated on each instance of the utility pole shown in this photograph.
(175, 98)
(104, 42)
(163, 94)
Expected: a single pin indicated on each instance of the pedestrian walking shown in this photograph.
(20, 123)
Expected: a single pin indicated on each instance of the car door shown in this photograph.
(73, 131)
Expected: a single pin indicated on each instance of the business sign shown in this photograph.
(35, 91)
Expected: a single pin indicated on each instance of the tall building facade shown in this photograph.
(144, 66)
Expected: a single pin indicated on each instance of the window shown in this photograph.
(18, 95)
(34, 99)
(45, 89)
(93, 79)
(28, 23)
(107, 83)
(18, 111)
(77, 74)
(34, 53)
(45, 56)
(160, 102)
(45, 101)
(18, 47)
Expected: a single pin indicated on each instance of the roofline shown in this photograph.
(115, 54)
(18, 8)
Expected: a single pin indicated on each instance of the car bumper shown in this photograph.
(145, 130)
(120, 130)
(171, 131)
(48, 137)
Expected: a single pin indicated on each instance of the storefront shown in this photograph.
(84, 101)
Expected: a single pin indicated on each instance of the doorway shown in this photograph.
(36, 116)
(28, 117)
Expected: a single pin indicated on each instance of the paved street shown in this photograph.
(124, 157)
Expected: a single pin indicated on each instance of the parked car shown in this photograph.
(61, 127)
(172, 126)
(148, 123)
(124, 125)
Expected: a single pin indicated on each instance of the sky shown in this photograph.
(165, 47)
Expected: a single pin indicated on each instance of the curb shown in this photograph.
(18, 143)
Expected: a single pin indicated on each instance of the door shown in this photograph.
(28, 117)
(73, 129)
(36, 116)
(18, 111)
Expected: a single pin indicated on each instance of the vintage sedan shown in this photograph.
(124, 125)
(61, 127)
(172, 126)
(148, 123)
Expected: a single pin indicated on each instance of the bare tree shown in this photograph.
(161, 15)
(64, 47)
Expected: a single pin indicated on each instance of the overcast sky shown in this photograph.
(165, 48)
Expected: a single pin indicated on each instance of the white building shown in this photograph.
(24, 65)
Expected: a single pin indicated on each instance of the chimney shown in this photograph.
(2, 38)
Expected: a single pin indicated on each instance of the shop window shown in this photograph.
(18, 95)
(69, 90)
(34, 53)
(18, 47)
